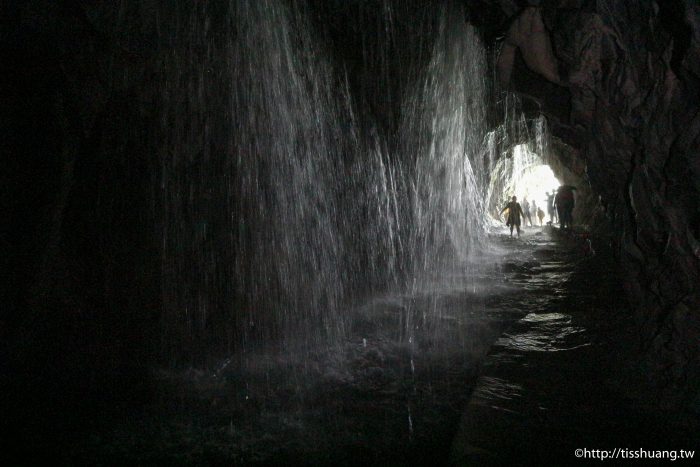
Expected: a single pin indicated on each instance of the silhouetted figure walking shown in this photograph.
(514, 214)
(526, 210)
(540, 214)
(533, 211)
(550, 207)
(564, 203)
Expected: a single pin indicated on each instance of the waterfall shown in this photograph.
(283, 200)
(254, 169)
(442, 135)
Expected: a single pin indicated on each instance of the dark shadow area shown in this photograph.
(556, 380)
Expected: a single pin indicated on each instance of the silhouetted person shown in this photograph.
(506, 201)
(540, 214)
(513, 216)
(526, 210)
(550, 207)
(564, 203)
(533, 211)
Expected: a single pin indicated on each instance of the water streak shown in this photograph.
(284, 202)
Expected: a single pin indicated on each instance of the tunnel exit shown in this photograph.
(523, 173)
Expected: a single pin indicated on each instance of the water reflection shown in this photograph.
(491, 389)
(545, 332)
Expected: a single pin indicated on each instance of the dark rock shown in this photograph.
(633, 76)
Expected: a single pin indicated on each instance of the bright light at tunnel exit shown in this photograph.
(534, 180)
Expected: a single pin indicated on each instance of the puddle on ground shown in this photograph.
(544, 332)
(494, 389)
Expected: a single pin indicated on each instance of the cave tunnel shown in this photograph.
(274, 232)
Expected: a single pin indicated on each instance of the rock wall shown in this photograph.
(633, 75)
(569, 167)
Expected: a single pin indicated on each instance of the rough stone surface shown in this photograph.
(633, 79)
(529, 35)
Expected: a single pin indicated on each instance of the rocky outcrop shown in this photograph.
(569, 166)
(529, 35)
(634, 86)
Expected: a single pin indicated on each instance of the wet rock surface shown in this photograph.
(556, 380)
(519, 354)
(629, 110)
(392, 394)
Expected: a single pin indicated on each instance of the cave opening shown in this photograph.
(525, 175)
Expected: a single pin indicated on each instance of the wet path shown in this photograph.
(548, 385)
(504, 362)
(392, 394)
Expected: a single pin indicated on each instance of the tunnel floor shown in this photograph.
(556, 381)
(516, 367)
